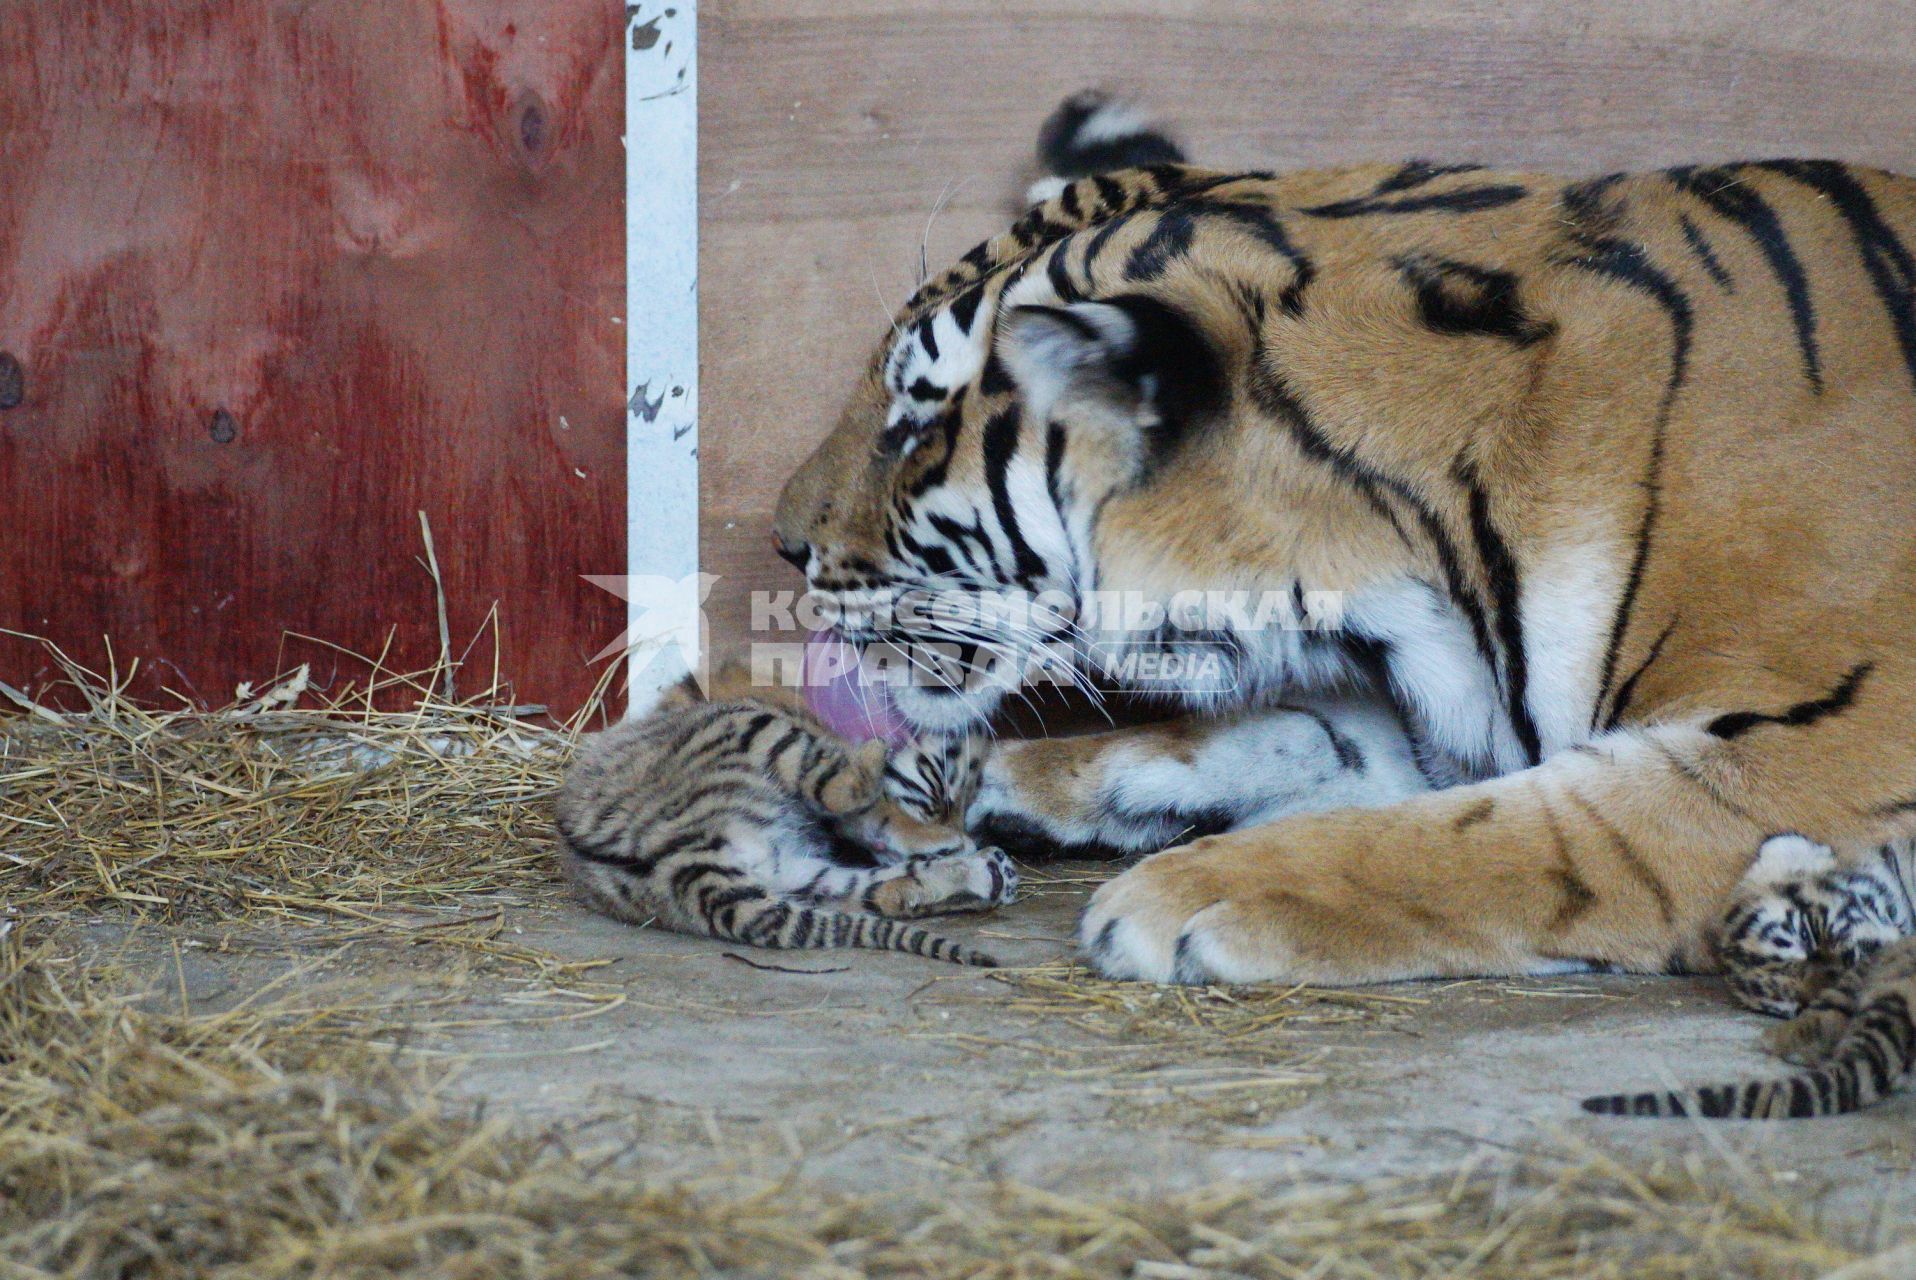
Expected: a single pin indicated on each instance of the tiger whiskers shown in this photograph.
(951, 189)
(1007, 652)
(944, 682)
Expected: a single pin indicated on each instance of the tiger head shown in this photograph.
(1024, 437)
(967, 471)
(1106, 399)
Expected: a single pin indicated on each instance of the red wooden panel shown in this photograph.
(278, 275)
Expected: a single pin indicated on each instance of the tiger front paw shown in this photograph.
(1182, 916)
(1032, 800)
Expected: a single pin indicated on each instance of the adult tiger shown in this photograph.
(1616, 478)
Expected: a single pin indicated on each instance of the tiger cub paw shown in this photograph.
(1808, 1039)
(971, 882)
(937, 886)
(992, 877)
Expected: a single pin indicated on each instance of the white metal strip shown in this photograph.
(662, 354)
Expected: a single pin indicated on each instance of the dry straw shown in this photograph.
(289, 801)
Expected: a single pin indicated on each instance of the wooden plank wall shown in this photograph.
(279, 275)
(831, 128)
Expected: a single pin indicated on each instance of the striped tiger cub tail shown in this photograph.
(790, 926)
(1874, 1049)
(1093, 132)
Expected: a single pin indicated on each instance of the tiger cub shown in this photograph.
(1832, 948)
(743, 817)
(1801, 920)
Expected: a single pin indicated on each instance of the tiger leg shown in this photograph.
(1880, 1035)
(830, 777)
(928, 886)
(1812, 1035)
(1138, 790)
(919, 886)
(1618, 854)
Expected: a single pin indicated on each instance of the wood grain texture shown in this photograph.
(280, 275)
(831, 128)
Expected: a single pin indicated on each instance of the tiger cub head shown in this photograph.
(925, 786)
(1800, 920)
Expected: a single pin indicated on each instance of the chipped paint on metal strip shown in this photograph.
(661, 88)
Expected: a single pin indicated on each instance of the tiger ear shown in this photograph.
(1136, 356)
(1077, 351)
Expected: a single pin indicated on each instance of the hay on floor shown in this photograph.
(289, 801)
(136, 1140)
(1220, 1017)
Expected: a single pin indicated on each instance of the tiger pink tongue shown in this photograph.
(855, 710)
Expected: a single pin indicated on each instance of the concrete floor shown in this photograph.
(875, 1070)
(881, 1068)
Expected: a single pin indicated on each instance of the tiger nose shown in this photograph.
(796, 554)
